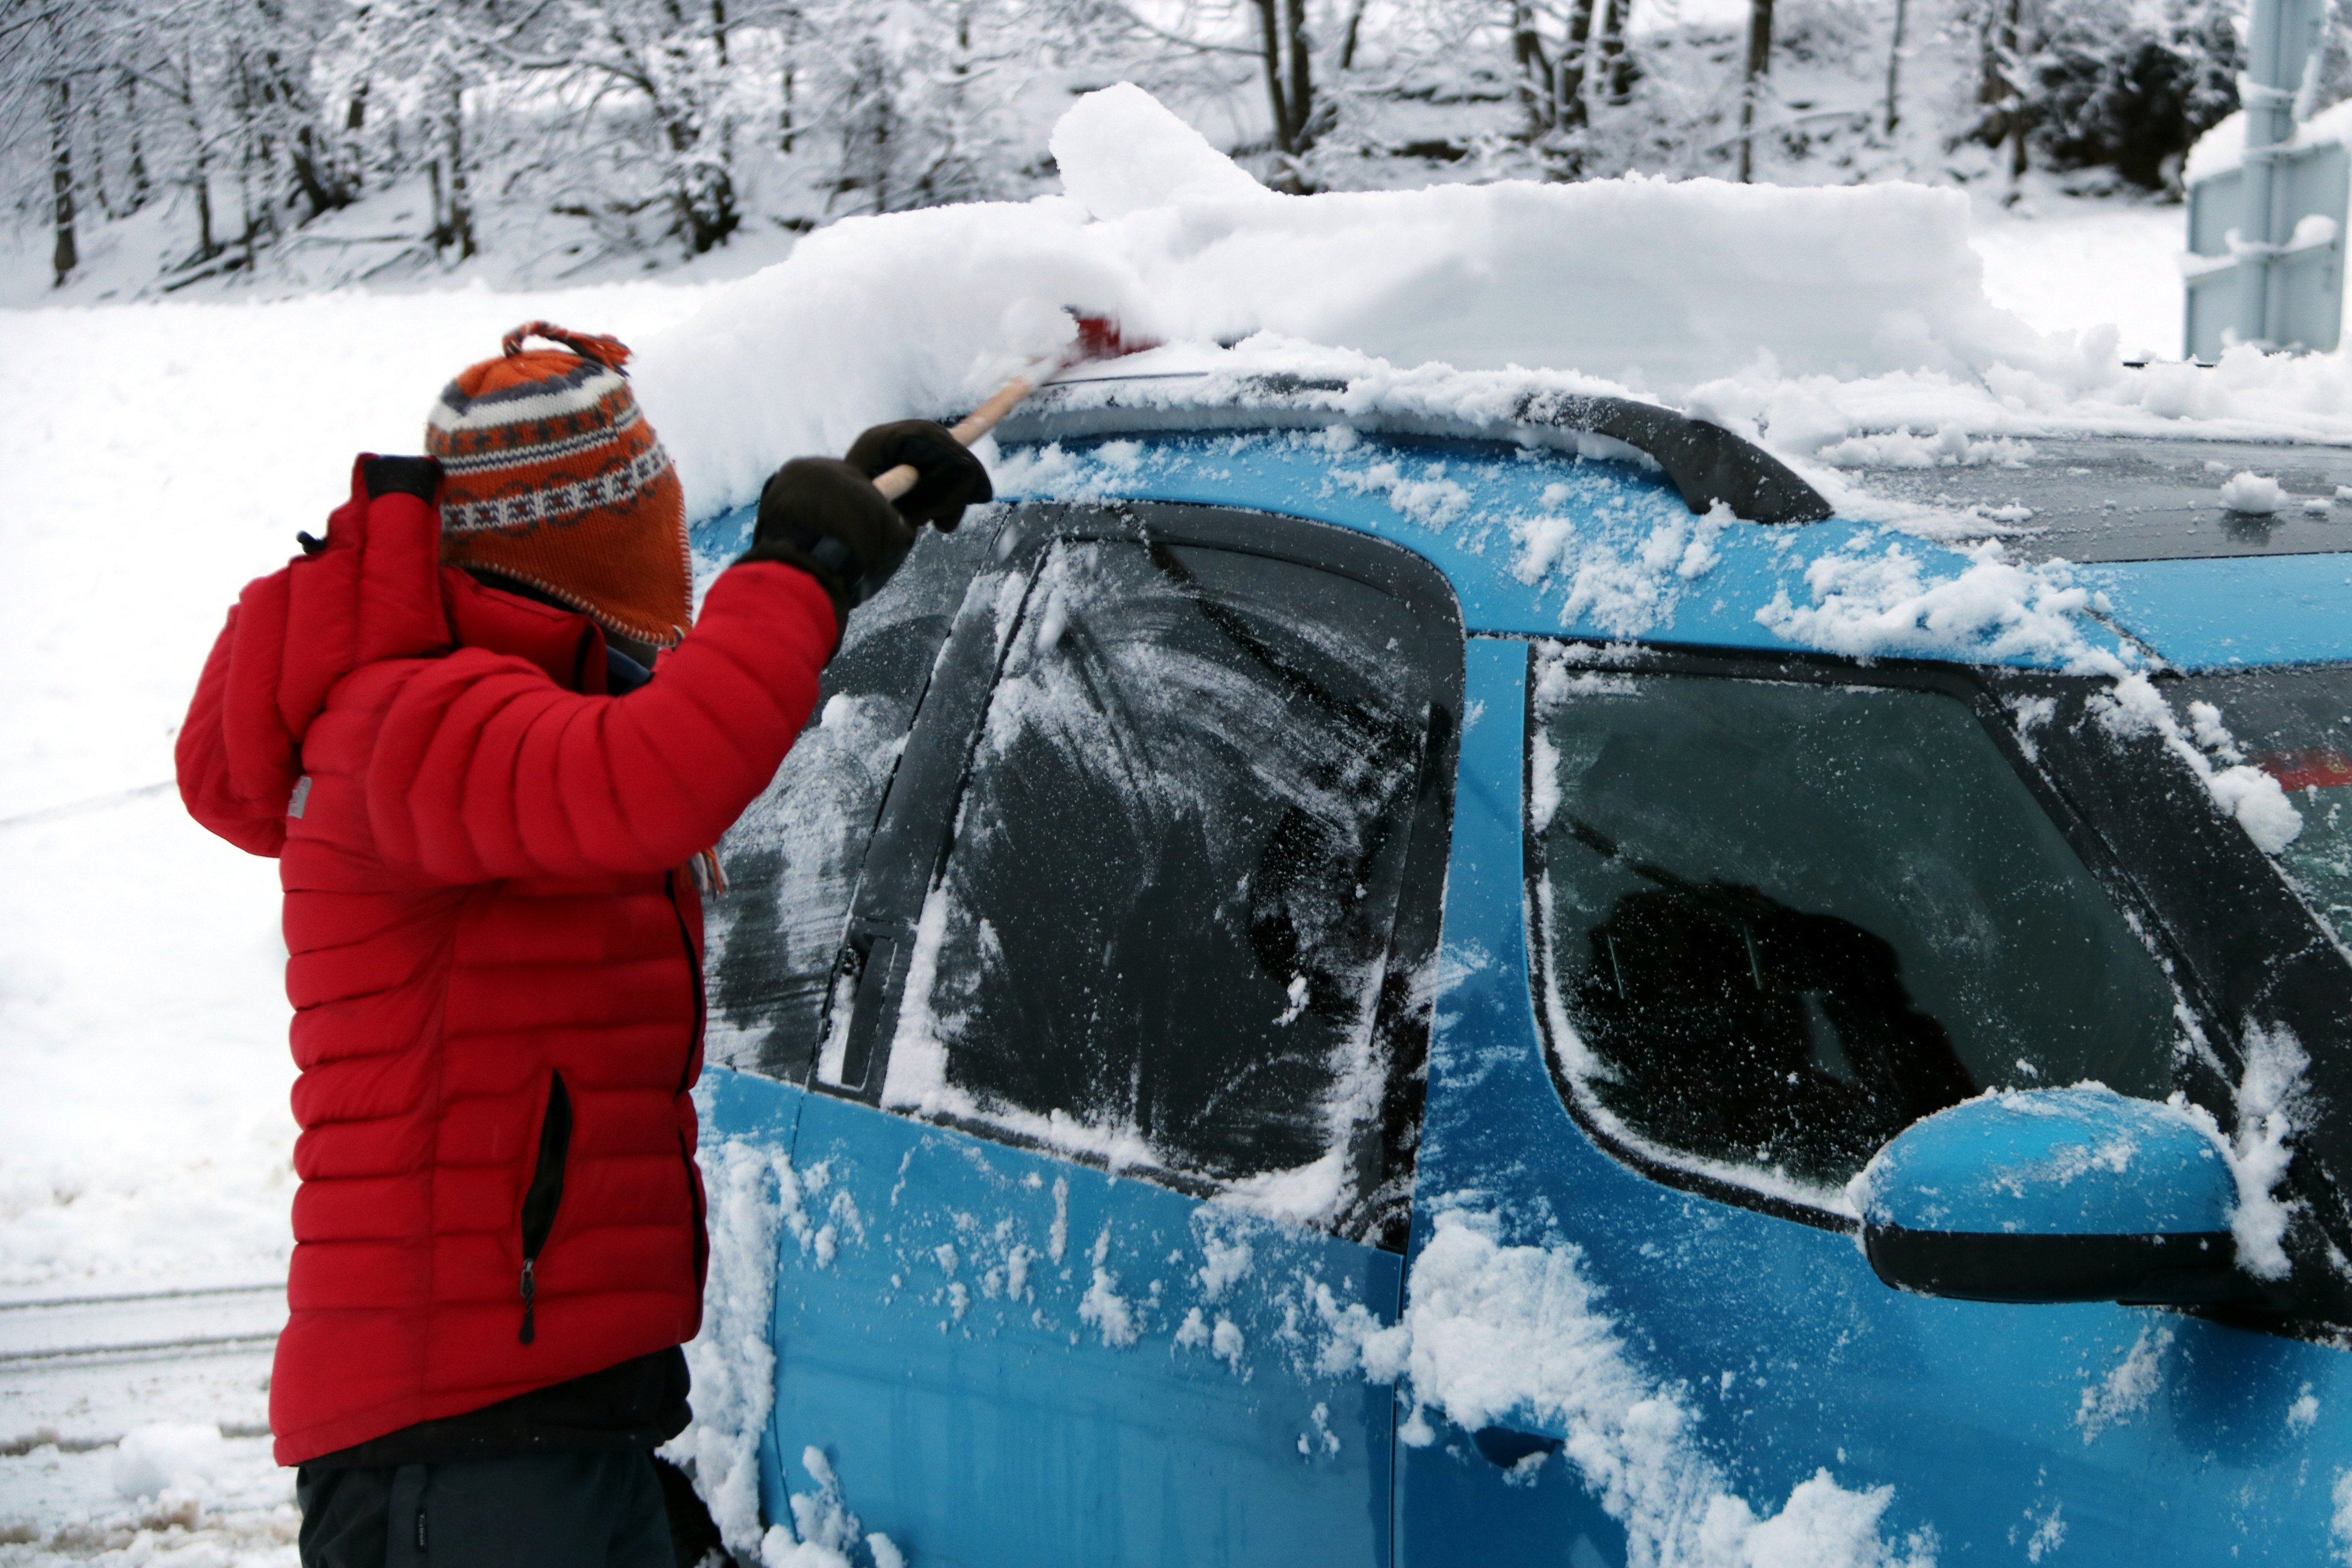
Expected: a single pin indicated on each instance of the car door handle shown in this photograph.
(1504, 1446)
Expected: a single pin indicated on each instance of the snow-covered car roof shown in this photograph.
(2115, 549)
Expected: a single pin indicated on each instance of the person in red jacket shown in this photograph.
(489, 805)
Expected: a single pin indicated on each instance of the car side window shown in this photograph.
(2295, 723)
(1166, 933)
(1780, 920)
(792, 860)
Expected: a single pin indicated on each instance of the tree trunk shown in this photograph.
(1270, 40)
(789, 33)
(1348, 37)
(1615, 72)
(206, 246)
(1895, 68)
(96, 105)
(1760, 65)
(2000, 85)
(1536, 86)
(1289, 83)
(1573, 59)
(1302, 82)
(141, 185)
(65, 256)
(453, 203)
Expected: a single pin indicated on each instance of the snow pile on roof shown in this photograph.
(1510, 1335)
(1839, 326)
(1650, 283)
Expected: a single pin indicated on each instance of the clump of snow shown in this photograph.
(2048, 1536)
(1228, 1260)
(828, 1533)
(1871, 597)
(2340, 1524)
(2251, 494)
(755, 1197)
(2127, 1387)
(2252, 797)
(2223, 147)
(1112, 1314)
(1120, 150)
(168, 1457)
(1500, 1334)
(2270, 1109)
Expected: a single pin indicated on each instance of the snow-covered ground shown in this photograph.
(160, 455)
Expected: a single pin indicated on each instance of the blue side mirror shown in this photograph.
(2068, 1194)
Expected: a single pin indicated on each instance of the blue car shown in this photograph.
(1345, 983)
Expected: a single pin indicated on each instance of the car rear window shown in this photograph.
(1779, 920)
(1163, 931)
(2295, 724)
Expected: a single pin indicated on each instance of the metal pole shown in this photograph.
(2269, 120)
(2280, 38)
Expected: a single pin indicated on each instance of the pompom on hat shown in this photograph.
(552, 477)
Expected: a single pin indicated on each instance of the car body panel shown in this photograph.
(1074, 1420)
(2122, 1433)
(2220, 614)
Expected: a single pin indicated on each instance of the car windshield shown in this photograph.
(2294, 722)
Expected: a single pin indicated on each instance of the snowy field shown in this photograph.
(159, 455)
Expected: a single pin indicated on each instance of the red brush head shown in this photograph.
(1099, 338)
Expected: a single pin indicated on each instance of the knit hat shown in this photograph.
(552, 477)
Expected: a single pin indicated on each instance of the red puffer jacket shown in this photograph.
(495, 955)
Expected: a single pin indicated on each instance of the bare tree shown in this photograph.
(1894, 67)
(1751, 84)
(64, 255)
(1289, 84)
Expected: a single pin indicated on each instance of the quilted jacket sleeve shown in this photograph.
(484, 768)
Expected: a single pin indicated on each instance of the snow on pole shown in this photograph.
(2267, 193)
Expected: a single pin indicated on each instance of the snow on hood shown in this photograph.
(1839, 326)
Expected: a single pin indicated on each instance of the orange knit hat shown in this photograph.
(552, 477)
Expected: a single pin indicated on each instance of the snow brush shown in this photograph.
(1098, 339)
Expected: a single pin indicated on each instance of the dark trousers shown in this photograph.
(537, 1510)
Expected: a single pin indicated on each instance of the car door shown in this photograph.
(1106, 1160)
(1716, 929)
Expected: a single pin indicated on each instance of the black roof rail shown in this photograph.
(1706, 463)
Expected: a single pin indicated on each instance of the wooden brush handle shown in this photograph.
(895, 483)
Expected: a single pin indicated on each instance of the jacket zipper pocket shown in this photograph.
(545, 1194)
